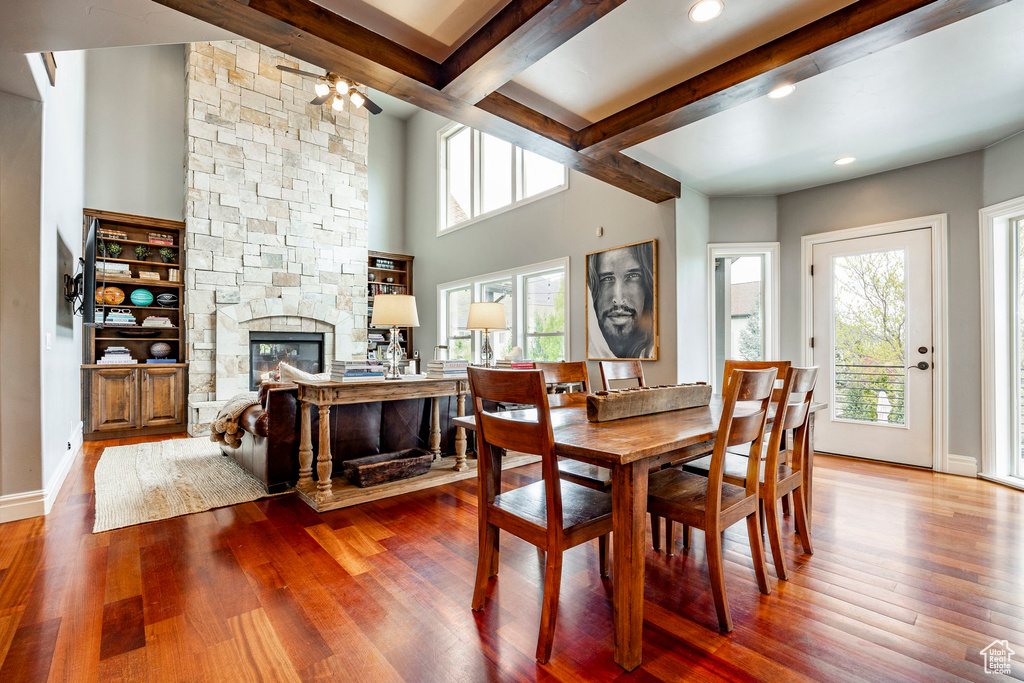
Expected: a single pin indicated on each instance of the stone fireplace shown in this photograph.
(275, 216)
(267, 350)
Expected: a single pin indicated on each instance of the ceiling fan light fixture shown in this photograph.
(782, 91)
(337, 104)
(844, 161)
(357, 99)
(706, 10)
(321, 89)
(341, 86)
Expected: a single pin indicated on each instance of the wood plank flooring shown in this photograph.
(913, 574)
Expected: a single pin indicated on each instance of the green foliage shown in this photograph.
(870, 334)
(750, 336)
(142, 252)
(549, 348)
(111, 249)
(166, 253)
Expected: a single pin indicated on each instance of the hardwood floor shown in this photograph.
(913, 574)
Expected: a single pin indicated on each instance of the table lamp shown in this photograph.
(486, 316)
(394, 311)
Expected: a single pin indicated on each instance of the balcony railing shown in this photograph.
(870, 393)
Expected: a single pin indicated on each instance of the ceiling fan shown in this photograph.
(333, 88)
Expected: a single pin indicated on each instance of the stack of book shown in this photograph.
(112, 269)
(440, 369)
(148, 275)
(119, 317)
(173, 275)
(111, 234)
(116, 355)
(514, 364)
(380, 288)
(162, 239)
(158, 361)
(357, 371)
(157, 321)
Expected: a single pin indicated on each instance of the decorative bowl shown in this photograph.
(167, 300)
(160, 349)
(142, 297)
(111, 296)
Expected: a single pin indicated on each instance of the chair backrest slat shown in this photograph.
(754, 386)
(612, 370)
(526, 387)
(564, 373)
(781, 366)
(792, 412)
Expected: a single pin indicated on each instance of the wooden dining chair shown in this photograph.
(781, 470)
(709, 503)
(552, 514)
(564, 373)
(612, 370)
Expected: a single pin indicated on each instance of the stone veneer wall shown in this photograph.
(275, 212)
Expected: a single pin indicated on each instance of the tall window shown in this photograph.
(535, 309)
(484, 175)
(1016, 464)
(743, 289)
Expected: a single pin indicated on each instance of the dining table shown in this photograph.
(630, 448)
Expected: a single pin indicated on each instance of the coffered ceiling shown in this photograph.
(631, 91)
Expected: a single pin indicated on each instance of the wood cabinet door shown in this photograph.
(114, 399)
(163, 396)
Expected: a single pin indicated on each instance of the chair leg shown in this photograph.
(670, 537)
(656, 532)
(716, 573)
(495, 553)
(760, 508)
(686, 536)
(802, 525)
(757, 553)
(771, 517)
(602, 552)
(549, 608)
(484, 563)
(786, 507)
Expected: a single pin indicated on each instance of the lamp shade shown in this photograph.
(486, 316)
(398, 310)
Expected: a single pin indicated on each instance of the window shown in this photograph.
(1015, 468)
(744, 307)
(535, 308)
(484, 175)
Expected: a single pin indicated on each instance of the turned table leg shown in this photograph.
(460, 438)
(323, 463)
(306, 448)
(435, 427)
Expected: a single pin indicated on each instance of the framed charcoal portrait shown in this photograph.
(622, 303)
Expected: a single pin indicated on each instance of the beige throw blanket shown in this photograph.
(225, 428)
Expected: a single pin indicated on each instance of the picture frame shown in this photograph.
(622, 302)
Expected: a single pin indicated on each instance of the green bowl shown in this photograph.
(142, 297)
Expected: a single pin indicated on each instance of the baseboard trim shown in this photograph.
(961, 465)
(28, 504)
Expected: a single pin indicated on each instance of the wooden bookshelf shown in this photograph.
(140, 398)
(381, 266)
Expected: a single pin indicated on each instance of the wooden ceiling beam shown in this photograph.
(522, 33)
(295, 28)
(858, 30)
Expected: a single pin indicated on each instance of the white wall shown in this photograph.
(135, 130)
(693, 232)
(563, 224)
(744, 219)
(1004, 170)
(386, 170)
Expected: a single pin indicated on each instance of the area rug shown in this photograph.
(147, 482)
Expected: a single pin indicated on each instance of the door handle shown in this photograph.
(923, 365)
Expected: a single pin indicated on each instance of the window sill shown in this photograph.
(497, 212)
(1012, 482)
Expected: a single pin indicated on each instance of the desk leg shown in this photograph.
(435, 427)
(306, 448)
(323, 463)
(629, 531)
(460, 438)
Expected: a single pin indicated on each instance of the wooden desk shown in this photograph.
(630, 448)
(326, 394)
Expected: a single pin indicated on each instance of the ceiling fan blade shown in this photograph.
(321, 100)
(371, 106)
(300, 72)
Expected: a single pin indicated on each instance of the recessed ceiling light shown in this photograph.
(706, 10)
(782, 91)
(843, 161)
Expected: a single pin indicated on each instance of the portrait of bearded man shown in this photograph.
(622, 302)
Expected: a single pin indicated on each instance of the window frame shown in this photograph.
(476, 185)
(517, 326)
(447, 329)
(524, 312)
(769, 251)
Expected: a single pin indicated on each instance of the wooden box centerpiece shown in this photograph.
(622, 403)
(384, 467)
